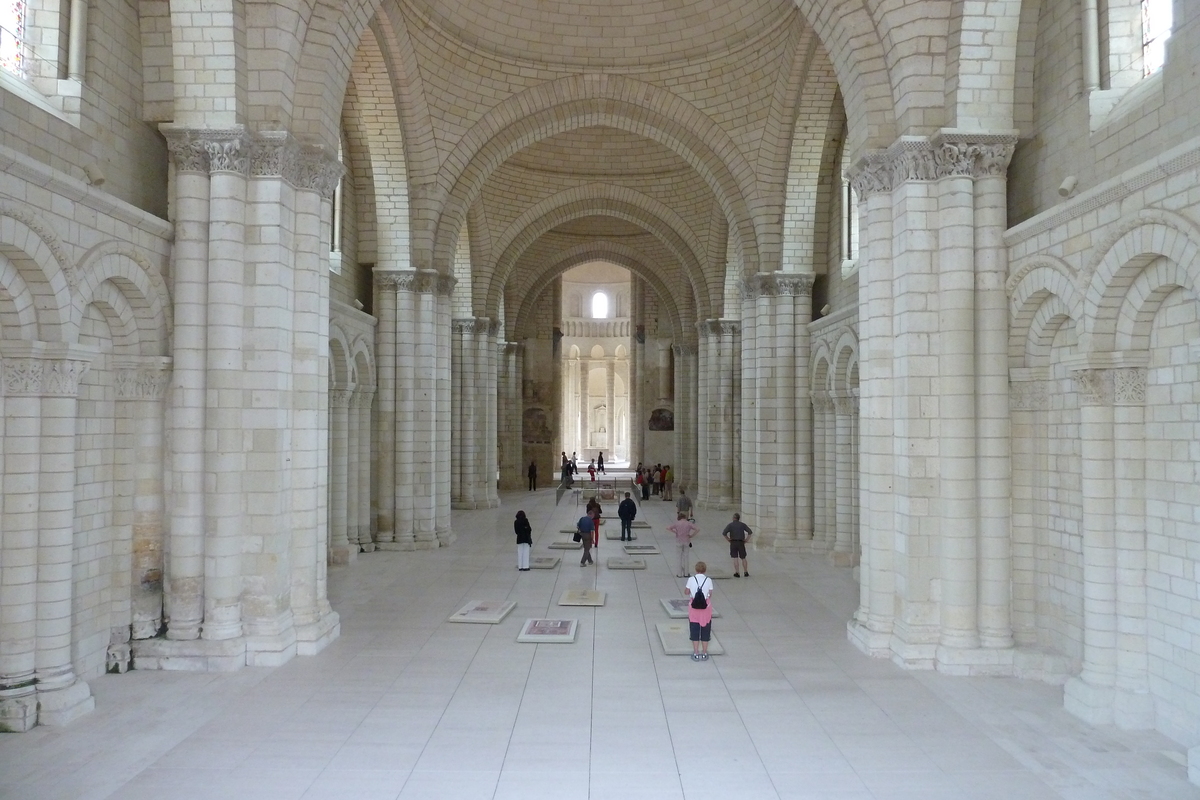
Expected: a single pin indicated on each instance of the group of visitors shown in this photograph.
(656, 480)
(570, 467)
(699, 586)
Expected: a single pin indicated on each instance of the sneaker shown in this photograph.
(747, 574)
(737, 574)
(695, 656)
(704, 656)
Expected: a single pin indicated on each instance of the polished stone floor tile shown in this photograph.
(406, 706)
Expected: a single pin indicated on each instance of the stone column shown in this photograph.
(489, 457)
(363, 399)
(686, 453)
(871, 628)
(610, 404)
(184, 580)
(821, 466)
(513, 463)
(352, 416)
(465, 434)
(1029, 402)
(37, 679)
(724, 403)
(1090, 696)
(706, 452)
(340, 551)
(993, 424)
(751, 372)
(226, 462)
(443, 524)
(842, 554)
(585, 408)
(665, 390)
(421, 310)
(958, 508)
(385, 408)
(1113, 686)
(638, 412)
(141, 391)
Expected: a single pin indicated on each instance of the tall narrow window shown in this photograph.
(849, 222)
(1156, 29)
(599, 306)
(12, 36)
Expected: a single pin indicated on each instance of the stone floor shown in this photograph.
(406, 705)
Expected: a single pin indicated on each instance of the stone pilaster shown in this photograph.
(364, 399)
(842, 554)
(686, 464)
(340, 551)
(141, 395)
(513, 464)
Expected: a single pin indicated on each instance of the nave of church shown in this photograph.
(405, 705)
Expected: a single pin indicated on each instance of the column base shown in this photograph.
(191, 655)
(272, 642)
(1033, 663)
(1193, 765)
(343, 554)
(974, 661)
(1134, 711)
(876, 644)
(786, 543)
(840, 559)
(366, 547)
(315, 637)
(18, 714)
(914, 646)
(447, 537)
(1092, 704)
(395, 546)
(63, 706)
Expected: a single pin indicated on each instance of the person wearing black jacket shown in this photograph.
(627, 511)
(524, 533)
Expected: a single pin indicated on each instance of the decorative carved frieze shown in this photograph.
(28, 217)
(719, 327)
(141, 384)
(262, 155)
(1129, 386)
(776, 284)
(918, 159)
(420, 281)
(478, 326)
(1094, 386)
(43, 377)
(1029, 395)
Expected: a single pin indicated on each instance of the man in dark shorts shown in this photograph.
(736, 533)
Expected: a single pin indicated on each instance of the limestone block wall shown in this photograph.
(95, 117)
(1104, 359)
(84, 325)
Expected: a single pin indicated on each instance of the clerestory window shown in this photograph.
(599, 305)
(1157, 19)
(12, 36)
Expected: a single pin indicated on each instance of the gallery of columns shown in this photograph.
(278, 297)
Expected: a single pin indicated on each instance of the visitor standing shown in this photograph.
(585, 528)
(627, 511)
(736, 533)
(699, 592)
(685, 530)
(645, 481)
(668, 479)
(684, 504)
(531, 473)
(600, 463)
(524, 533)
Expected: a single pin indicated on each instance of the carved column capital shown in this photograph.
(717, 328)
(1094, 386)
(417, 281)
(340, 398)
(142, 378)
(776, 284)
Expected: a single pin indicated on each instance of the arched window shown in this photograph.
(1156, 29)
(12, 36)
(599, 306)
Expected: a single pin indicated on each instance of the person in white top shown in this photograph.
(699, 611)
